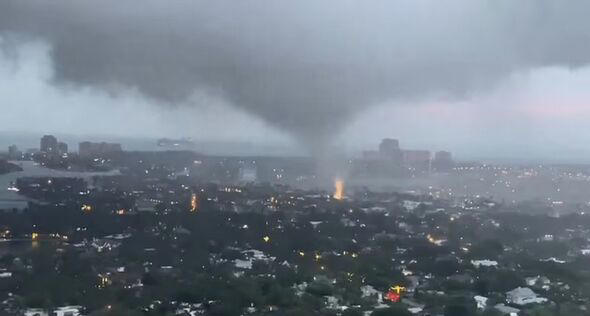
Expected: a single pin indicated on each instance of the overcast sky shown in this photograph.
(481, 78)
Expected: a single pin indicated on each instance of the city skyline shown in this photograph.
(511, 85)
(294, 158)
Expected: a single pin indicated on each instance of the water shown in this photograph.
(32, 169)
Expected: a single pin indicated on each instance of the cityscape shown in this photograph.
(294, 158)
(181, 233)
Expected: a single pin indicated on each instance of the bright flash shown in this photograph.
(339, 189)
(194, 203)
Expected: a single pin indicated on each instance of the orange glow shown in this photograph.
(194, 203)
(398, 289)
(339, 189)
(86, 208)
(395, 293)
(435, 241)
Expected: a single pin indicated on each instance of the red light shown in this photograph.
(393, 297)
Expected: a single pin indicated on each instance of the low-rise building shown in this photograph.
(523, 296)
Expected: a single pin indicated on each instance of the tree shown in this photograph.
(491, 312)
(487, 249)
(481, 287)
(392, 311)
(320, 288)
(457, 310)
(352, 312)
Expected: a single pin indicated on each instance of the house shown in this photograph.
(243, 264)
(368, 291)
(315, 224)
(484, 263)
(553, 259)
(481, 301)
(415, 310)
(461, 278)
(194, 309)
(5, 274)
(537, 281)
(67, 311)
(35, 312)
(507, 310)
(334, 303)
(523, 296)
(60, 311)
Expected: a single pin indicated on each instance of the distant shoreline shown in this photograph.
(32, 169)
(7, 167)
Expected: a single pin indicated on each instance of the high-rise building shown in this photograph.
(416, 158)
(49, 144)
(388, 145)
(14, 153)
(12, 149)
(443, 161)
(62, 148)
(389, 148)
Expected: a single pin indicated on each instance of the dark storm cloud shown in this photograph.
(303, 66)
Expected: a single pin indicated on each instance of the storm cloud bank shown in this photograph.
(303, 66)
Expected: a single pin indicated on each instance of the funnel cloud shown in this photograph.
(305, 67)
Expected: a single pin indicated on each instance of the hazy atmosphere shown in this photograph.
(486, 79)
(294, 158)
